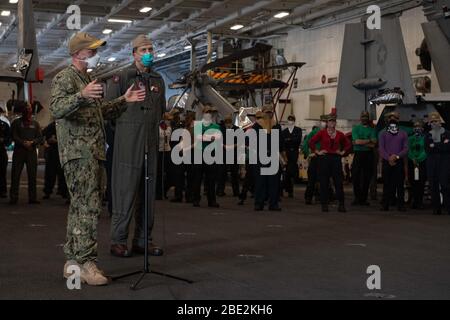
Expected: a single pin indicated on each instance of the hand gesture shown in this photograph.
(28, 145)
(92, 91)
(52, 140)
(393, 158)
(135, 95)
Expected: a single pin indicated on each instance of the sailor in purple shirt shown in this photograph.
(393, 147)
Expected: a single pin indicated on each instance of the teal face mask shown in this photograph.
(147, 60)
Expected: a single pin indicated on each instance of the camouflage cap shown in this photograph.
(324, 117)
(82, 40)
(141, 41)
(393, 115)
(418, 123)
(209, 108)
(175, 111)
(434, 116)
(228, 118)
(365, 115)
(331, 117)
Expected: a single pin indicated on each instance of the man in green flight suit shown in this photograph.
(77, 106)
(136, 129)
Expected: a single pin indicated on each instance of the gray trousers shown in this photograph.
(128, 190)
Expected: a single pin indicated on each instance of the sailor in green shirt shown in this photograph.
(364, 139)
(311, 189)
(417, 166)
(305, 147)
(210, 134)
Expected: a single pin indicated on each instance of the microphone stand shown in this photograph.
(147, 183)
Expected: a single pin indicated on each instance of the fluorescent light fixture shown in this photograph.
(161, 55)
(281, 15)
(90, 70)
(187, 47)
(119, 21)
(6, 13)
(146, 9)
(112, 59)
(107, 31)
(0, 23)
(13, 1)
(237, 27)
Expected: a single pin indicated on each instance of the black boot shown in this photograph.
(259, 208)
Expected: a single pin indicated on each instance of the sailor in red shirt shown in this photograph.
(333, 145)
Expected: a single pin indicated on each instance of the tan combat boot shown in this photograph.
(67, 265)
(91, 275)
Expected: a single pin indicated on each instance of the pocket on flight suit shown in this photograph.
(129, 144)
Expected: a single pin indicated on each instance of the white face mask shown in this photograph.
(435, 125)
(323, 125)
(92, 62)
(393, 128)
